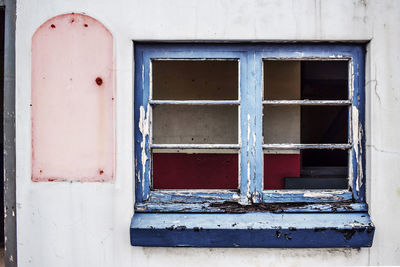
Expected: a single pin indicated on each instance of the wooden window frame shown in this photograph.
(250, 196)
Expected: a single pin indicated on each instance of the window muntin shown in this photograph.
(250, 125)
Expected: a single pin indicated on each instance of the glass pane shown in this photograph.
(324, 124)
(281, 124)
(187, 124)
(306, 169)
(282, 80)
(305, 124)
(279, 165)
(195, 79)
(324, 80)
(195, 170)
(306, 79)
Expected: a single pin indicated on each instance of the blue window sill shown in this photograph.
(273, 230)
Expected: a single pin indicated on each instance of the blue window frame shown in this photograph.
(250, 216)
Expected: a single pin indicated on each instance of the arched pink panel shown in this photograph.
(72, 105)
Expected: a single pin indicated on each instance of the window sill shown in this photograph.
(255, 229)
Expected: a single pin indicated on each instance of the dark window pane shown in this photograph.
(324, 124)
(324, 158)
(324, 80)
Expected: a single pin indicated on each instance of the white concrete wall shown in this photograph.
(87, 224)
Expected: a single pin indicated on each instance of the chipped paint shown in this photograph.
(357, 137)
(254, 229)
(194, 102)
(322, 195)
(255, 197)
(205, 193)
(250, 141)
(187, 150)
(144, 127)
(195, 146)
(248, 193)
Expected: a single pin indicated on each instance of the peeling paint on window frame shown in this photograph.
(250, 181)
(227, 218)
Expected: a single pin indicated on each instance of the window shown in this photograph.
(250, 145)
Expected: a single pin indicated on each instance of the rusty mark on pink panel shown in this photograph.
(72, 121)
(99, 81)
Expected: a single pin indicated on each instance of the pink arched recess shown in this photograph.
(72, 106)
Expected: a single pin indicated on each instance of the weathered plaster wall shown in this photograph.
(86, 224)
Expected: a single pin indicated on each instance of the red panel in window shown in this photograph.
(195, 171)
(279, 166)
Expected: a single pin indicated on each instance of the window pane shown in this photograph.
(282, 80)
(281, 124)
(279, 165)
(305, 124)
(324, 124)
(195, 80)
(324, 80)
(195, 124)
(195, 170)
(306, 169)
(307, 79)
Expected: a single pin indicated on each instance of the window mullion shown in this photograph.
(142, 129)
(357, 114)
(258, 87)
(251, 130)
